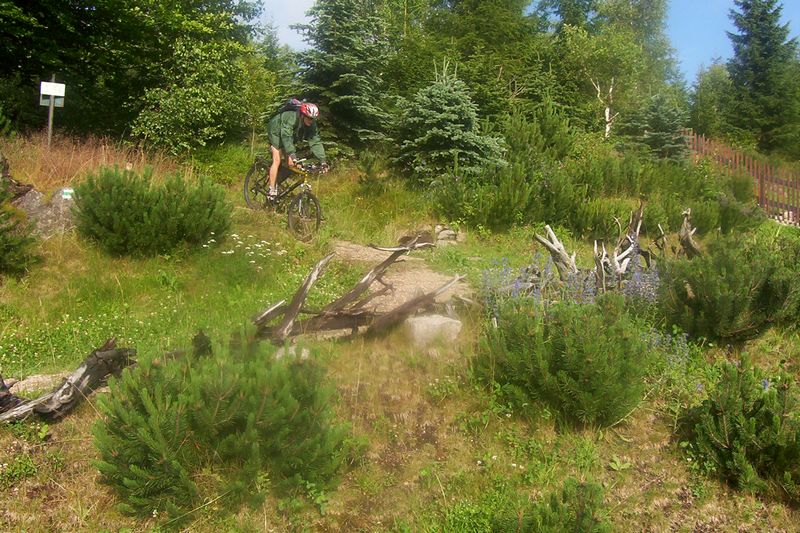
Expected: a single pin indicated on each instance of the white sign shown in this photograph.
(53, 89)
(66, 194)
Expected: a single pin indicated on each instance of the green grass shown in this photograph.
(79, 297)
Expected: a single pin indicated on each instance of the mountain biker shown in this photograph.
(287, 128)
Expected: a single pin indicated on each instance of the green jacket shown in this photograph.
(287, 128)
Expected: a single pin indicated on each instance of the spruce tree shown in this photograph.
(763, 71)
(658, 128)
(344, 67)
(438, 130)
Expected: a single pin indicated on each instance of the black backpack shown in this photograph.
(292, 104)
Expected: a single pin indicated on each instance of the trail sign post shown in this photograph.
(51, 94)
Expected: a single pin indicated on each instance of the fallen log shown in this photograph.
(88, 377)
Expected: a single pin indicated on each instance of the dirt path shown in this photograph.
(410, 276)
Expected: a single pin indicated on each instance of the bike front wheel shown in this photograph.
(256, 186)
(305, 215)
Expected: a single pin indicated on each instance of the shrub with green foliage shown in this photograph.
(733, 292)
(518, 192)
(557, 176)
(128, 214)
(748, 431)
(575, 507)
(198, 102)
(585, 361)
(254, 418)
(439, 132)
(15, 241)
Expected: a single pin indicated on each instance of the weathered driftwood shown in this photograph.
(349, 311)
(600, 260)
(89, 376)
(689, 247)
(612, 267)
(564, 262)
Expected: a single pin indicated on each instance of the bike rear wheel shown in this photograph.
(305, 215)
(256, 186)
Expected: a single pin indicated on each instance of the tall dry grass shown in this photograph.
(70, 159)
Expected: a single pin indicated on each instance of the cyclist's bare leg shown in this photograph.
(273, 169)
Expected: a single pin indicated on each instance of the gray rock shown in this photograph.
(38, 382)
(49, 217)
(423, 331)
(447, 235)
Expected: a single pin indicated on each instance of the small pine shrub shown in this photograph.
(748, 431)
(242, 413)
(15, 241)
(128, 214)
(576, 507)
(587, 362)
(732, 293)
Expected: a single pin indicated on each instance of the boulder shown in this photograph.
(423, 331)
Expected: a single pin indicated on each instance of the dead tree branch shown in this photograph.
(349, 311)
(563, 261)
(690, 248)
(89, 376)
(280, 333)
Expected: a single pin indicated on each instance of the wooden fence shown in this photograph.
(777, 188)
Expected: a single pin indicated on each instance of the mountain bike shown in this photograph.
(294, 194)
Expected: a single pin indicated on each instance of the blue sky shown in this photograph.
(695, 27)
(697, 31)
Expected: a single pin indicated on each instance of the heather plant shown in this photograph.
(259, 420)
(129, 214)
(732, 293)
(748, 431)
(15, 241)
(555, 354)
